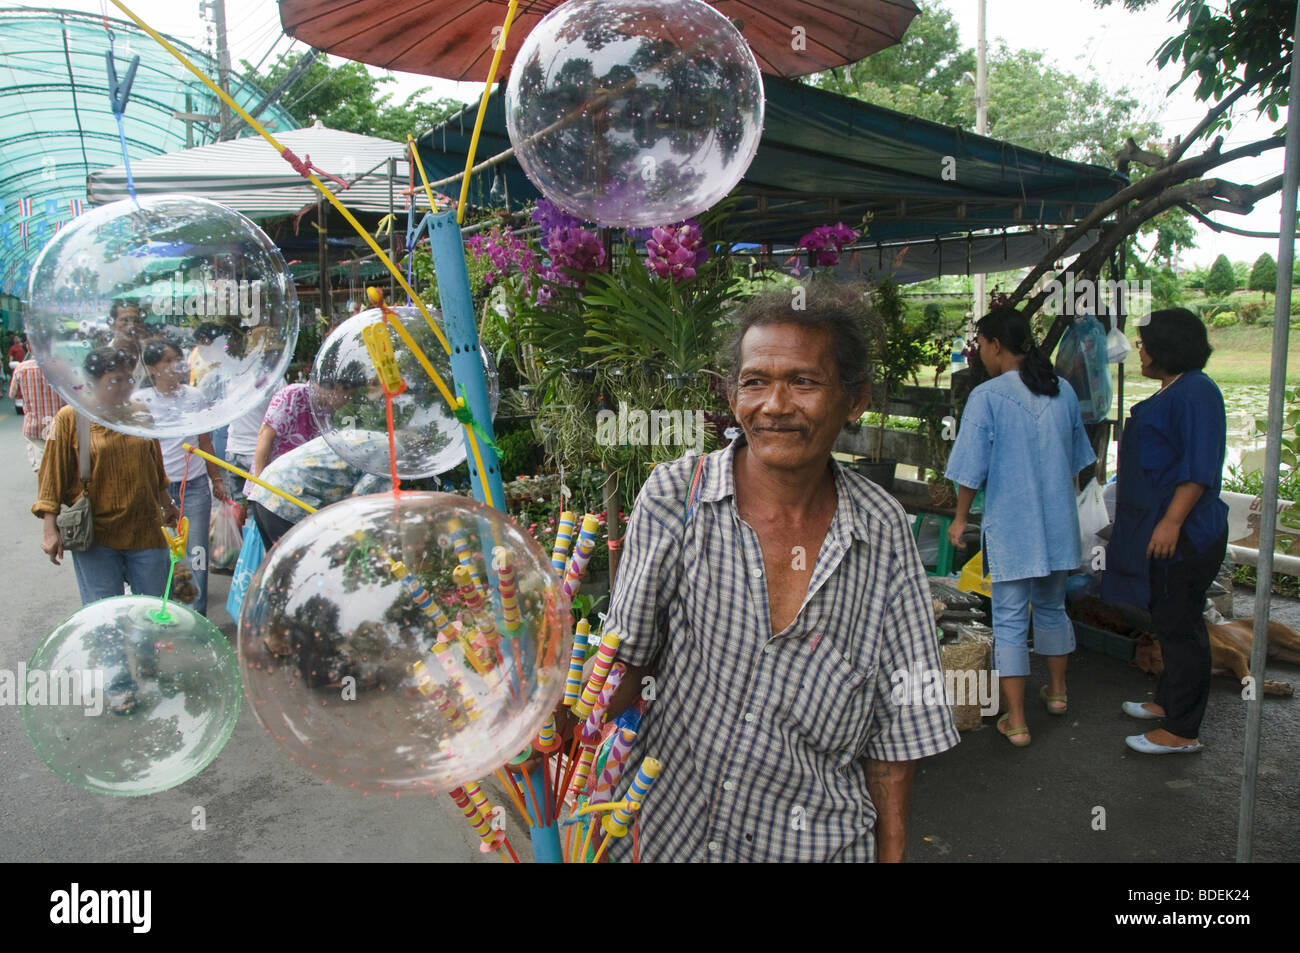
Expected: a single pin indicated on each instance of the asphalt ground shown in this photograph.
(1075, 794)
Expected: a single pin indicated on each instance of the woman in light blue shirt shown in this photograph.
(1022, 441)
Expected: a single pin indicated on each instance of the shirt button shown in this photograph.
(756, 573)
(728, 785)
(749, 716)
(714, 847)
(769, 649)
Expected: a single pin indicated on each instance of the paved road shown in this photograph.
(983, 801)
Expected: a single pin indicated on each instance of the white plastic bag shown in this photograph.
(1093, 518)
(1117, 347)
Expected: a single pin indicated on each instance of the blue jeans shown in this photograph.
(198, 509)
(103, 573)
(1053, 631)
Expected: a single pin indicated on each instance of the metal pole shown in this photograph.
(392, 228)
(1272, 462)
(223, 62)
(982, 128)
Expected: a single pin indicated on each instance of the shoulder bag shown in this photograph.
(76, 523)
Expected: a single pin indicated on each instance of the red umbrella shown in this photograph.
(454, 39)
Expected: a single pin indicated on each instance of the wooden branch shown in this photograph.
(1132, 152)
(1154, 183)
(1218, 110)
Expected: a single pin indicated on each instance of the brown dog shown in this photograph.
(1230, 644)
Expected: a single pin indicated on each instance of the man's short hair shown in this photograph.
(843, 308)
(124, 303)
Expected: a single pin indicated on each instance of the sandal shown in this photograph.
(1012, 734)
(1051, 701)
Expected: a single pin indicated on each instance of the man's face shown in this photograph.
(788, 399)
(126, 321)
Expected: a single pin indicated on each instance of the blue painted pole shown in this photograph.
(546, 840)
(448, 249)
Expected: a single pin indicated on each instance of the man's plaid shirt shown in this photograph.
(763, 736)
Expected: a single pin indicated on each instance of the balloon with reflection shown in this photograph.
(349, 406)
(634, 112)
(172, 268)
(136, 701)
(407, 642)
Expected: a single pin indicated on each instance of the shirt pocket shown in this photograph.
(826, 701)
(1155, 453)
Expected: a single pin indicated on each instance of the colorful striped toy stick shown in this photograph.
(455, 674)
(578, 564)
(609, 642)
(616, 822)
(505, 570)
(491, 840)
(577, 659)
(584, 768)
(619, 749)
(460, 542)
(591, 730)
(563, 537)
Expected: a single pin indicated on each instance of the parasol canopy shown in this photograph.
(454, 39)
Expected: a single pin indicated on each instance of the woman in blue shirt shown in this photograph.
(1022, 441)
(1171, 528)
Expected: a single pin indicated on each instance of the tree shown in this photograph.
(1263, 276)
(921, 75)
(1222, 280)
(1233, 55)
(348, 98)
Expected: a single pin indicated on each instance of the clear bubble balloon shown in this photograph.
(401, 643)
(348, 402)
(165, 319)
(634, 112)
(134, 700)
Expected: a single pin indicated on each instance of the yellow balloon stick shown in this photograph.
(482, 108)
(415, 154)
(248, 476)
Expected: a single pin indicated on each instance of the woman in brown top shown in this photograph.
(128, 492)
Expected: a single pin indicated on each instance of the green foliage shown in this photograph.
(1263, 276)
(1166, 292)
(1228, 45)
(1224, 319)
(920, 76)
(1221, 280)
(1290, 437)
(346, 97)
(1032, 103)
(1250, 312)
(901, 346)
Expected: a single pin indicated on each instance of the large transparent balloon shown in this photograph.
(126, 292)
(349, 406)
(634, 112)
(134, 701)
(402, 643)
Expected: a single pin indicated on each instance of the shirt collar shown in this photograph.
(719, 482)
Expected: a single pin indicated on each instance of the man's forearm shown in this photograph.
(890, 785)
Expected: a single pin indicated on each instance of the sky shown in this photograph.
(1111, 45)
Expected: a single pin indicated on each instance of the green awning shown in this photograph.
(825, 158)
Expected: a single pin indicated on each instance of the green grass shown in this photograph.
(1242, 355)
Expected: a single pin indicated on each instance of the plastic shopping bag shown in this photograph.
(1081, 360)
(1117, 347)
(250, 558)
(1093, 518)
(226, 537)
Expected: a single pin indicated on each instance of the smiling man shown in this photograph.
(771, 607)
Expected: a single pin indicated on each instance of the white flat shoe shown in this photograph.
(1135, 710)
(1141, 744)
